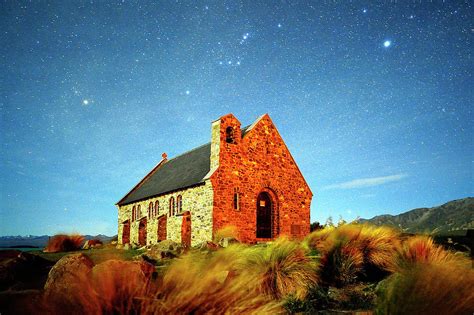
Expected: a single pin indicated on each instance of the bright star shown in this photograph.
(279, 25)
(387, 43)
(85, 102)
(364, 11)
(187, 92)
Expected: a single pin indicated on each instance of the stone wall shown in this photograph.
(260, 161)
(197, 200)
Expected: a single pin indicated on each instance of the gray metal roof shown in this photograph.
(185, 170)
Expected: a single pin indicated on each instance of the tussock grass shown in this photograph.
(200, 283)
(284, 268)
(419, 249)
(64, 243)
(428, 289)
(420, 277)
(351, 251)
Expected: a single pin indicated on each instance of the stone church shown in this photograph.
(245, 177)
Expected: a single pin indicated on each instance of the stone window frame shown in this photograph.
(150, 209)
(171, 207)
(139, 212)
(134, 211)
(179, 204)
(157, 208)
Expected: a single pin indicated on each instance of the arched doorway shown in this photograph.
(126, 232)
(264, 215)
(142, 232)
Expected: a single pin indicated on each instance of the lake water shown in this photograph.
(23, 249)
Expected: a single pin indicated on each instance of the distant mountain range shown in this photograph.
(40, 241)
(451, 217)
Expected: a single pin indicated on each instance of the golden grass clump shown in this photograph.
(200, 283)
(422, 250)
(64, 243)
(318, 239)
(283, 268)
(354, 250)
(111, 287)
(120, 284)
(428, 289)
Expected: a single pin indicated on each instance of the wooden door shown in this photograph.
(162, 228)
(126, 232)
(264, 216)
(186, 230)
(142, 232)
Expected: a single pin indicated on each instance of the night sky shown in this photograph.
(374, 101)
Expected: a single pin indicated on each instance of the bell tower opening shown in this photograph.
(229, 135)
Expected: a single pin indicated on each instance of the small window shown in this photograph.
(139, 212)
(229, 135)
(171, 210)
(150, 210)
(157, 207)
(133, 213)
(179, 204)
(236, 201)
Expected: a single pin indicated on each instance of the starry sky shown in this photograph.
(374, 101)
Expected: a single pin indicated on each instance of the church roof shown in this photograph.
(185, 170)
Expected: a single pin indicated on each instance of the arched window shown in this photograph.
(150, 210)
(139, 212)
(229, 135)
(133, 213)
(179, 204)
(171, 211)
(157, 207)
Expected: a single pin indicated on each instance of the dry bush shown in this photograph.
(282, 269)
(111, 287)
(318, 239)
(354, 251)
(64, 243)
(428, 289)
(200, 283)
(422, 250)
(341, 265)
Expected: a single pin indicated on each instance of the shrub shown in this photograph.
(355, 252)
(64, 243)
(283, 268)
(201, 283)
(428, 289)
(111, 287)
(422, 250)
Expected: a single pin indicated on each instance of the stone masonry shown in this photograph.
(242, 169)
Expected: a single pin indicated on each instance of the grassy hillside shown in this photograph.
(449, 218)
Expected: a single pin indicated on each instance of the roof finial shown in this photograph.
(164, 155)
